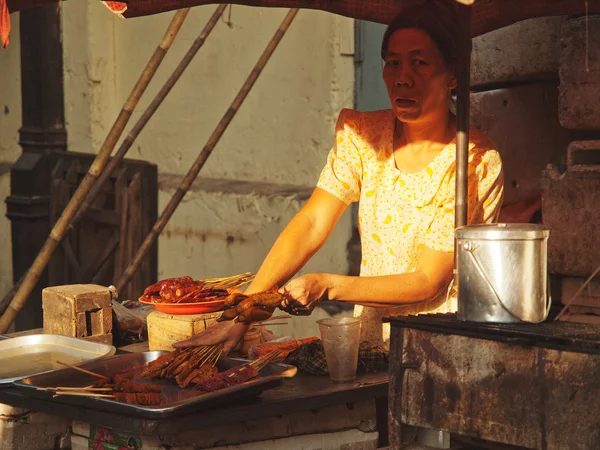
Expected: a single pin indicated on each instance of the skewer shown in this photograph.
(260, 324)
(75, 389)
(86, 394)
(261, 362)
(281, 316)
(214, 356)
(243, 277)
(217, 357)
(89, 372)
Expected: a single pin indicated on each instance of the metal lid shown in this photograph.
(503, 231)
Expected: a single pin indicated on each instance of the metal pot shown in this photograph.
(502, 273)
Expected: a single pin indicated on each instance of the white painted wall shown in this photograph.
(10, 122)
(277, 143)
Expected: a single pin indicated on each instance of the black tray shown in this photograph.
(175, 400)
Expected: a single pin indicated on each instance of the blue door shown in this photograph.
(370, 90)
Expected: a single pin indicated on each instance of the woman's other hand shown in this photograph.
(304, 293)
(229, 334)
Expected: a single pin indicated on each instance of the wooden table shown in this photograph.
(301, 393)
(304, 394)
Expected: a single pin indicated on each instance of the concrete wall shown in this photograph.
(515, 71)
(269, 159)
(10, 122)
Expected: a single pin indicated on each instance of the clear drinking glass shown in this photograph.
(340, 339)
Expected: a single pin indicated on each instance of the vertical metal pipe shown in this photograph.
(463, 77)
(462, 116)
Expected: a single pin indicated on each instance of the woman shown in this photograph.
(399, 164)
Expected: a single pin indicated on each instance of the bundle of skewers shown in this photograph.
(187, 290)
(119, 386)
(185, 366)
(195, 365)
(237, 374)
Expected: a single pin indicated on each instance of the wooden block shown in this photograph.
(106, 314)
(67, 309)
(81, 325)
(100, 321)
(165, 329)
(59, 315)
(84, 296)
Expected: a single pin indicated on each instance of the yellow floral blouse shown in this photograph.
(399, 212)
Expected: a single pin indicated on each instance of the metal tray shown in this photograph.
(25, 356)
(175, 400)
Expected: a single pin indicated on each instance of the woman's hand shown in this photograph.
(229, 334)
(304, 293)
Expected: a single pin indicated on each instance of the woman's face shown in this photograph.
(417, 80)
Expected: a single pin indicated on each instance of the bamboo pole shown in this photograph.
(206, 151)
(147, 115)
(59, 229)
(133, 134)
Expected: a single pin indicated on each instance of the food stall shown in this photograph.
(427, 351)
(305, 409)
(97, 396)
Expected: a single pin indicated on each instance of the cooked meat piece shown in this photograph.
(155, 367)
(130, 386)
(231, 377)
(169, 371)
(138, 398)
(102, 382)
(174, 291)
(154, 289)
(201, 373)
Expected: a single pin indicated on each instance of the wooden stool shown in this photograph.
(78, 310)
(166, 329)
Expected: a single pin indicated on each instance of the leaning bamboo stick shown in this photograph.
(133, 134)
(10, 294)
(58, 231)
(206, 151)
(148, 113)
(89, 372)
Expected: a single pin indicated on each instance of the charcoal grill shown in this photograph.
(532, 386)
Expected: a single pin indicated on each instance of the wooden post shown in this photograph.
(35, 271)
(206, 151)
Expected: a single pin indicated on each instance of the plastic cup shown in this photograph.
(340, 339)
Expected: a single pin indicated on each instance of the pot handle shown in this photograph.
(470, 249)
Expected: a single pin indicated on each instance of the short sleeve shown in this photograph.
(342, 174)
(486, 191)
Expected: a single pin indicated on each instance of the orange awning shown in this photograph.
(487, 15)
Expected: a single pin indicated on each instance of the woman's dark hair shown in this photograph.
(437, 18)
